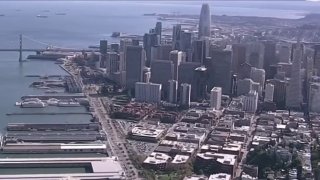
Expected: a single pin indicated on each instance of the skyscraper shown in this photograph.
(176, 34)
(316, 58)
(173, 91)
(258, 76)
(294, 91)
(269, 92)
(250, 102)
(215, 97)
(199, 83)
(269, 57)
(238, 56)
(161, 72)
(220, 68)
(148, 92)
(176, 58)
(149, 40)
(135, 61)
(185, 95)
(158, 31)
(314, 97)
(205, 21)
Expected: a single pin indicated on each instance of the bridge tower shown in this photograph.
(20, 48)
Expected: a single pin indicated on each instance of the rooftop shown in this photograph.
(157, 158)
(220, 176)
(226, 159)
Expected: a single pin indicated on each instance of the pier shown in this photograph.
(53, 113)
(46, 97)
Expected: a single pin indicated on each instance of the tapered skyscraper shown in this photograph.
(205, 21)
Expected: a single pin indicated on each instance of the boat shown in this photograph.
(41, 16)
(33, 104)
(68, 104)
(150, 14)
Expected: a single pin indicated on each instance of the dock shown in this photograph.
(53, 113)
(46, 97)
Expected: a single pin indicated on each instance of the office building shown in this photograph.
(176, 34)
(250, 102)
(215, 98)
(149, 40)
(186, 40)
(314, 97)
(124, 43)
(220, 68)
(316, 59)
(148, 92)
(238, 57)
(185, 95)
(135, 61)
(115, 47)
(161, 52)
(269, 57)
(176, 58)
(200, 50)
(158, 31)
(161, 72)
(113, 63)
(186, 72)
(244, 86)
(199, 84)
(173, 91)
(280, 90)
(146, 75)
(258, 75)
(294, 91)
(103, 46)
(255, 54)
(205, 21)
(284, 54)
(269, 90)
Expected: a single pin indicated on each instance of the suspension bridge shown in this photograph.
(49, 48)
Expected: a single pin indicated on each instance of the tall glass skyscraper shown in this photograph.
(205, 21)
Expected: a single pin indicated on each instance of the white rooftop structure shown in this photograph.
(220, 176)
(180, 159)
(226, 159)
(157, 158)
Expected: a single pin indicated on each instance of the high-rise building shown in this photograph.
(279, 95)
(186, 72)
(149, 40)
(186, 40)
(176, 35)
(250, 102)
(314, 97)
(215, 97)
(294, 91)
(125, 43)
(238, 56)
(185, 95)
(258, 76)
(284, 54)
(220, 68)
(176, 58)
(161, 72)
(205, 21)
(158, 31)
(269, 57)
(173, 91)
(146, 75)
(200, 50)
(161, 52)
(244, 86)
(148, 92)
(135, 62)
(113, 63)
(103, 46)
(316, 59)
(199, 84)
(255, 54)
(269, 90)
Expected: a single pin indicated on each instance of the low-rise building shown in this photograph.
(220, 176)
(157, 161)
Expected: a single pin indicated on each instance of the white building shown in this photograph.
(220, 176)
(148, 92)
(250, 102)
(185, 94)
(269, 92)
(215, 98)
(258, 76)
(314, 97)
(173, 91)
